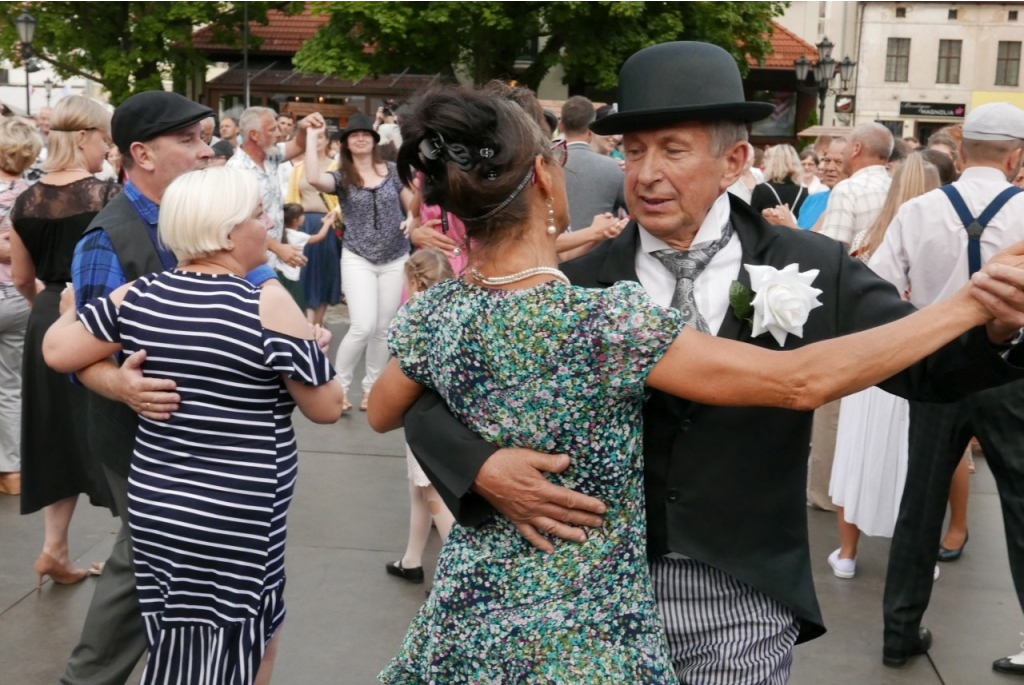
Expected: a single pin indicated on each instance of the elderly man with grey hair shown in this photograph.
(856, 202)
(259, 154)
(724, 487)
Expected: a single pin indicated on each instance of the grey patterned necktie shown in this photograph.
(686, 266)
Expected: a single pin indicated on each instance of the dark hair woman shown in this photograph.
(375, 247)
(524, 358)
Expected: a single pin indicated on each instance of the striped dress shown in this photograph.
(209, 489)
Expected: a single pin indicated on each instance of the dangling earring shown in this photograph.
(551, 216)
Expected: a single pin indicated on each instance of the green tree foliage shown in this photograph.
(125, 46)
(483, 39)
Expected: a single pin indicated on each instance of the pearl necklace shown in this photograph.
(519, 276)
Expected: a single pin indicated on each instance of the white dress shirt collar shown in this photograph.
(985, 174)
(711, 229)
(873, 169)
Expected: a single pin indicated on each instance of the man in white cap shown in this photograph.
(932, 247)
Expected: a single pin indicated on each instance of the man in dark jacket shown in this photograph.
(725, 487)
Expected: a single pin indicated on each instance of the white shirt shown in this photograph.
(925, 246)
(711, 289)
(855, 203)
(298, 239)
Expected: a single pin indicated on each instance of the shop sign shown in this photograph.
(932, 109)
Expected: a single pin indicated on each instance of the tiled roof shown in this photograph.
(296, 81)
(283, 34)
(786, 49)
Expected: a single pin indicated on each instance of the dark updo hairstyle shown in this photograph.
(475, 149)
(942, 162)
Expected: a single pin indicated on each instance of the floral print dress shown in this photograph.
(557, 369)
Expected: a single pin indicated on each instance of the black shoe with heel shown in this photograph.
(953, 554)
(413, 575)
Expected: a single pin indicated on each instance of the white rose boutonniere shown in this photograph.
(783, 300)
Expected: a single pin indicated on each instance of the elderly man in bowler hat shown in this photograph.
(727, 521)
(159, 134)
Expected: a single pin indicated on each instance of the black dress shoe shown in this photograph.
(897, 658)
(1011, 665)
(953, 554)
(413, 575)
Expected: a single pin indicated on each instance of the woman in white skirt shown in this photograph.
(870, 464)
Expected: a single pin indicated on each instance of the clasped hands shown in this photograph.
(514, 481)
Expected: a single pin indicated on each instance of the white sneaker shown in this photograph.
(936, 575)
(843, 568)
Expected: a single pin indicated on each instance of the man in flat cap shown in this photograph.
(933, 246)
(159, 135)
(725, 487)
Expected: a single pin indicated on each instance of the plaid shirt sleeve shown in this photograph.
(839, 220)
(95, 269)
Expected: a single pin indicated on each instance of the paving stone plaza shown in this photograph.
(346, 617)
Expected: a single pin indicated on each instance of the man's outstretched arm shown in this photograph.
(477, 479)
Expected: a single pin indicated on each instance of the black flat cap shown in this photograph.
(675, 82)
(144, 116)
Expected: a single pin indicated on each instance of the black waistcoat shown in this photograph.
(727, 485)
(112, 425)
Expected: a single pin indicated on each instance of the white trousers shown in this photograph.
(373, 293)
(13, 319)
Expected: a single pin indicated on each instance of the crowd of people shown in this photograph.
(569, 313)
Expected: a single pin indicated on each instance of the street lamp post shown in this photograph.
(26, 24)
(823, 71)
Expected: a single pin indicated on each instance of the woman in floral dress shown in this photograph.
(530, 361)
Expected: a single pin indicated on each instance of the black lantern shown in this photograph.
(824, 71)
(26, 24)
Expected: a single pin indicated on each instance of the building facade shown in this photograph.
(920, 65)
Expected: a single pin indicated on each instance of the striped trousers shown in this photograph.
(721, 631)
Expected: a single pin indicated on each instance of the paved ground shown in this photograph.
(346, 617)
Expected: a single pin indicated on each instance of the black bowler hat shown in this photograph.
(144, 116)
(682, 81)
(359, 122)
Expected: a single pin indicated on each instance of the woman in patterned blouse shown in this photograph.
(374, 248)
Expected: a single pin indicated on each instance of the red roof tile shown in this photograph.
(786, 49)
(283, 34)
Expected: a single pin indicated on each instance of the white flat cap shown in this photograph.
(995, 121)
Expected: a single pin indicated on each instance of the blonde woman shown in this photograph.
(19, 146)
(783, 181)
(209, 488)
(48, 220)
(870, 463)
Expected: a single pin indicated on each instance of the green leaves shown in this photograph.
(482, 40)
(126, 46)
(741, 300)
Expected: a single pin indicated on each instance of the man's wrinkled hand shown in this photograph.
(153, 398)
(999, 286)
(513, 482)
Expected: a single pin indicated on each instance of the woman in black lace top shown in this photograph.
(48, 220)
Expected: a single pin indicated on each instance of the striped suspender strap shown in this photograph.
(975, 227)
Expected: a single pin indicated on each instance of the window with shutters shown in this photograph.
(949, 61)
(1008, 63)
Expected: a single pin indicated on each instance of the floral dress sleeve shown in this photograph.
(300, 360)
(634, 334)
(408, 339)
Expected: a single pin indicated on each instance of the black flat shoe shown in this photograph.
(953, 554)
(897, 658)
(413, 575)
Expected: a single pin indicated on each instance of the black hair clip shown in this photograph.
(433, 147)
(491, 175)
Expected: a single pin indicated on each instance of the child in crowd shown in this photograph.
(424, 269)
(294, 217)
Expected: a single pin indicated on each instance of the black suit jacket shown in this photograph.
(726, 486)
